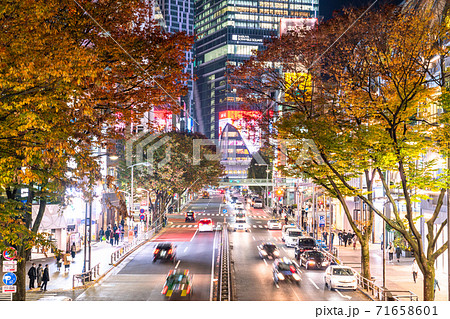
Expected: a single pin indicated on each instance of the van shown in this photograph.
(284, 230)
(292, 236)
(258, 203)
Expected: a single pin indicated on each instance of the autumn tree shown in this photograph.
(71, 75)
(354, 101)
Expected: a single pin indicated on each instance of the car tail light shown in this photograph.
(188, 290)
(170, 251)
(156, 251)
(165, 290)
(292, 269)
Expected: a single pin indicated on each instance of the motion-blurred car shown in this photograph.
(240, 225)
(285, 270)
(164, 251)
(268, 250)
(239, 205)
(258, 203)
(274, 224)
(305, 243)
(313, 259)
(205, 224)
(178, 284)
(340, 277)
(189, 216)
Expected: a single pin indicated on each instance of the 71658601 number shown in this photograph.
(406, 310)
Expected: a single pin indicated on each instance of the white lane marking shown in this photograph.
(178, 263)
(185, 249)
(343, 296)
(314, 283)
(212, 268)
(253, 237)
(266, 262)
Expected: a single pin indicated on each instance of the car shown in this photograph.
(205, 195)
(233, 199)
(240, 215)
(340, 277)
(164, 251)
(274, 224)
(268, 250)
(258, 203)
(205, 224)
(178, 284)
(313, 259)
(305, 243)
(285, 270)
(284, 230)
(239, 205)
(292, 236)
(240, 225)
(189, 216)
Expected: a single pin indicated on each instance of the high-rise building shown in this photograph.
(178, 16)
(227, 32)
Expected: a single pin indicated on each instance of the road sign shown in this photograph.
(142, 210)
(9, 289)
(10, 266)
(142, 217)
(9, 278)
(10, 254)
(321, 220)
(224, 211)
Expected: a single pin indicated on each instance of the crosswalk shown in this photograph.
(227, 215)
(196, 226)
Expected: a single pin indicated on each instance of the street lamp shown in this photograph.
(148, 206)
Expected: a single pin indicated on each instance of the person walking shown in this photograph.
(391, 252)
(39, 272)
(73, 250)
(325, 237)
(436, 284)
(66, 261)
(107, 233)
(398, 253)
(101, 234)
(45, 278)
(116, 236)
(345, 238)
(354, 239)
(331, 238)
(32, 274)
(340, 238)
(286, 220)
(415, 269)
(58, 260)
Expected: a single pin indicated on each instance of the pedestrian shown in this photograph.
(398, 253)
(32, 274)
(286, 219)
(354, 239)
(345, 238)
(107, 233)
(340, 237)
(116, 236)
(122, 232)
(350, 237)
(111, 239)
(135, 231)
(39, 272)
(66, 261)
(391, 251)
(73, 250)
(331, 238)
(58, 260)
(415, 270)
(325, 237)
(101, 234)
(45, 278)
(274, 212)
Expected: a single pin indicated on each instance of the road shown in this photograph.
(139, 279)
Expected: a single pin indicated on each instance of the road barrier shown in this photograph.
(83, 278)
(225, 273)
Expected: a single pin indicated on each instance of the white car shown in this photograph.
(240, 225)
(205, 224)
(239, 205)
(292, 236)
(274, 224)
(284, 230)
(340, 277)
(258, 203)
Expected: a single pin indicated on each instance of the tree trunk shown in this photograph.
(428, 283)
(21, 284)
(365, 259)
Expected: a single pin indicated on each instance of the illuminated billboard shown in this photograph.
(162, 120)
(246, 123)
(296, 24)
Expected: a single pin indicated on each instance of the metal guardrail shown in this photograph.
(81, 279)
(225, 271)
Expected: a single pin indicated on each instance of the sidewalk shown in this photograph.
(398, 274)
(63, 280)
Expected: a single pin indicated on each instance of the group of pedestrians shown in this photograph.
(391, 250)
(113, 234)
(39, 274)
(347, 238)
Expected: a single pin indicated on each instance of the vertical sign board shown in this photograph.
(9, 267)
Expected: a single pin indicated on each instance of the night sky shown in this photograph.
(326, 7)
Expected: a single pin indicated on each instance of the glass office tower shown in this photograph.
(227, 31)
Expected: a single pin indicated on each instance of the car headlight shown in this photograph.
(276, 253)
(296, 276)
(325, 263)
(280, 276)
(311, 262)
(263, 252)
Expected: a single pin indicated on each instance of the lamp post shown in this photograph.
(267, 181)
(149, 216)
